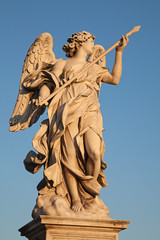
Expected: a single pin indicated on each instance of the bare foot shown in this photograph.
(77, 206)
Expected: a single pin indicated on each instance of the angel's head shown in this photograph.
(76, 41)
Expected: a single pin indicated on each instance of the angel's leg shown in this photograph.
(73, 190)
(92, 144)
(71, 180)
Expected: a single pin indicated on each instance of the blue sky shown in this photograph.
(131, 110)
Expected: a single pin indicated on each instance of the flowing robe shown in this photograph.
(77, 103)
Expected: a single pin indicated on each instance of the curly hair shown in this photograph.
(77, 40)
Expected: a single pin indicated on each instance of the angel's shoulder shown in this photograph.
(59, 66)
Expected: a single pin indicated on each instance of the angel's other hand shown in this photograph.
(37, 102)
(40, 100)
(34, 101)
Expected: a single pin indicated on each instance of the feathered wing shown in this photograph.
(25, 112)
(98, 50)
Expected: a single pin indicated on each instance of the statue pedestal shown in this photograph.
(58, 228)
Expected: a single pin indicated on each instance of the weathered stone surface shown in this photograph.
(58, 228)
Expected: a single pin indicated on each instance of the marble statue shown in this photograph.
(69, 143)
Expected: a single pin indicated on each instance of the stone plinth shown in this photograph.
(58, 228)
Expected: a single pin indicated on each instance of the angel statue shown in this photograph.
(69, 143)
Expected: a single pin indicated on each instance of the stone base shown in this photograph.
(58, 228)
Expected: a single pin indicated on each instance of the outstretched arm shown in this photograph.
(114, 77)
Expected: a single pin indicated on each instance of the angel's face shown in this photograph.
(88, 46)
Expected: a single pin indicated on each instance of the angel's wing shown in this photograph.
(25, 113)
(98, 50)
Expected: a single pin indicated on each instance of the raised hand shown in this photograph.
(123, 43)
